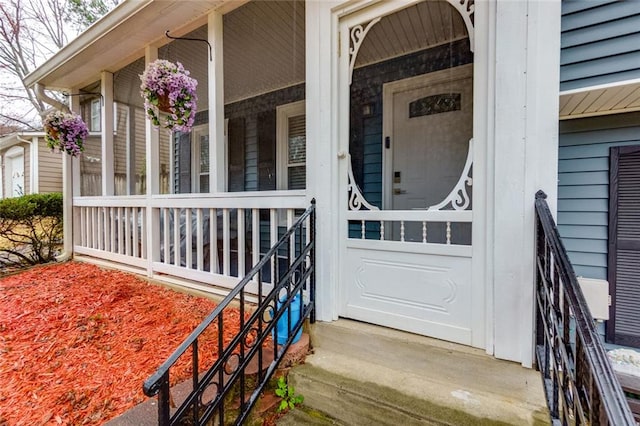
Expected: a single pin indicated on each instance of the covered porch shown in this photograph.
(299, 101)
(195, 209)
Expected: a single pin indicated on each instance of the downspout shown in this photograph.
(42, 96)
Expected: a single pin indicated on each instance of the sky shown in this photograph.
(22, 109)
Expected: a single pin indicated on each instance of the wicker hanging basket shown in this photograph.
(52, 132)
(163, 104)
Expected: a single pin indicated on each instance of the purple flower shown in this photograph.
(66, 132)
(166, 82)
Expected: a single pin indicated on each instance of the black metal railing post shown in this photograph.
(312, 285)
(164, 401)
(580, 384)
(213, 386)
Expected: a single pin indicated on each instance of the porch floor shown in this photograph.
(365, 374)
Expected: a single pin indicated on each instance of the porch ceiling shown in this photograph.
(605, 99)
(423, 25)
(120, 38)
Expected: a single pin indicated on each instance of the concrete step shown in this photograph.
(308, 417)
(361, 374)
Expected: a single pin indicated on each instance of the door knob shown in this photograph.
(398, 191)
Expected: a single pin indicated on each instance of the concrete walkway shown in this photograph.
(361, 374)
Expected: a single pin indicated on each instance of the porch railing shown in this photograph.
(222, 391)
(580, 384)
(448, 230)
(196, 238)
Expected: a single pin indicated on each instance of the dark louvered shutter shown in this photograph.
(183, 163)
(267, 150)
(236, 143)
(624, 245)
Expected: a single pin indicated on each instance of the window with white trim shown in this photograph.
(96, 110)
(200, 158)
(292, 146)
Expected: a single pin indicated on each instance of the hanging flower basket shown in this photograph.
(65, 132)
(166, 87)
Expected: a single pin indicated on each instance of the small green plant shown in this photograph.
(288, 395)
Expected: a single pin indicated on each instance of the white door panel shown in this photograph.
(422, 293)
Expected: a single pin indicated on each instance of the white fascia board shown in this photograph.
(13, 138)
(615, 84)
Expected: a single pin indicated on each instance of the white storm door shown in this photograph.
(406, 266)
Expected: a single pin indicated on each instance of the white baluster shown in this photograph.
(127, 231)
(199, 240)
(176, 237)
(273, 227)
(402, 230)
(188, 241)
(112, 231)
(85, 229)
(255, 236)
(292, 238)
(424, 231)
(381, 230)
(213, 240)
(363, 234)
(136, 234)
(100, 226)
(241, 244)
(107, 228)
(448, 232)
(143, 233)
(166, 230)
(226, 243)
(121, 226)
(94, 227)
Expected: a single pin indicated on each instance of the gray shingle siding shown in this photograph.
(600, 42)
(583, 186)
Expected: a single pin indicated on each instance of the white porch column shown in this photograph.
(322, 170)
(523, 82)
(34, 178)
(106, 127)
(131, 150)
(217, 166)
(152, 138)
(70, 184)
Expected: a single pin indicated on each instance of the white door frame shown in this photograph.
(359, 14)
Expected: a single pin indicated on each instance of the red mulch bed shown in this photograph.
(77, 342)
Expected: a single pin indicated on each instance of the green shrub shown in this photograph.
(30, 229)
(28, 206)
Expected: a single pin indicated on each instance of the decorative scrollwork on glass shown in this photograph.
(459, 198)
(356, 199)
(358, 33)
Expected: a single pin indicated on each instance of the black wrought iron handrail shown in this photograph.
(580, 384)
(221, 390)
